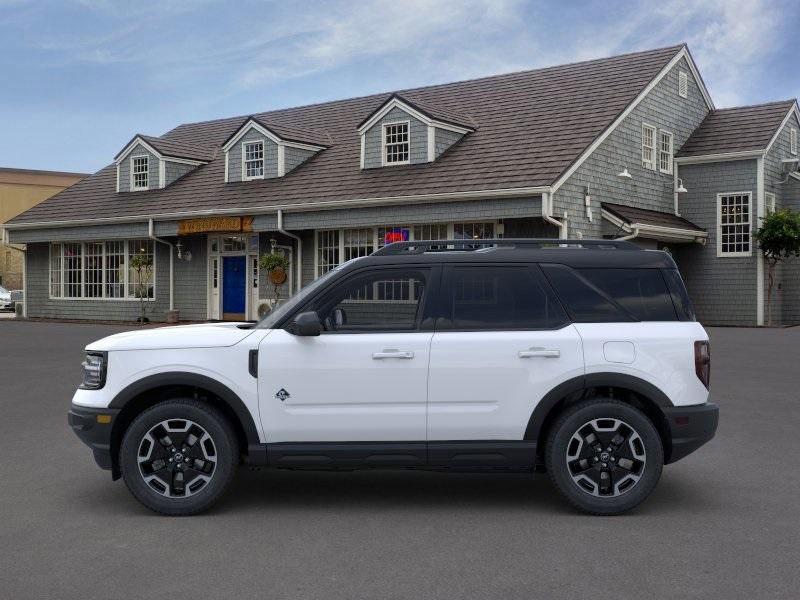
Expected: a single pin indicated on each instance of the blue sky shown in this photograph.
(80, 78)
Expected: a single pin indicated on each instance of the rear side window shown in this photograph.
(585, 302)
(495, 298)
(642, 292)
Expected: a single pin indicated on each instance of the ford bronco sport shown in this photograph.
(579, 358)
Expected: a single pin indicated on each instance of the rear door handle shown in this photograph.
(392, 354)
(539, 353)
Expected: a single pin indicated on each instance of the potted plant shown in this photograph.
(276, 265)
(142, 265)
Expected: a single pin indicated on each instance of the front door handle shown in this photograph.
(539, 353)
(392, 354)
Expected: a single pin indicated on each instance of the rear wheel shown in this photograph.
(178, 457)
(604, 456)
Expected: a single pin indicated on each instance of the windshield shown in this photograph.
(277, 315)
(3, 290)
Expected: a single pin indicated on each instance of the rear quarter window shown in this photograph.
(602, 295)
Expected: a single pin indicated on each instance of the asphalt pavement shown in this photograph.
(723, 523)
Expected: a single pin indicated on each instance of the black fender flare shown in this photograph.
(591, 380)
(220, 390)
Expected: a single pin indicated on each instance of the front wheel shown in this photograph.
(178, 457)
(604, 456)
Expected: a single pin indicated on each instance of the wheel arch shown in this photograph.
(627, 388)
(153, 389)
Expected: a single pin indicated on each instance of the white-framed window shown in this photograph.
(100, 270)
(665, 152)
(734, 221)
(253, 160)
(769, 200)
(140, 173)
(648, 146)
(335, 246)
(683, 84)
(396, 144)
(793, 140)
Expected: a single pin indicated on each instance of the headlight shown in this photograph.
(94, 371)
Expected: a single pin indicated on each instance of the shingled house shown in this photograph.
(623, 147)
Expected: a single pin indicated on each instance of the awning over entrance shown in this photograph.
(652, 224)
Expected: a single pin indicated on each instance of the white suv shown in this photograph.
(579, 358)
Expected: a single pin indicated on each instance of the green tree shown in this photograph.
(276, 266)
(779, 239)
(142, 265)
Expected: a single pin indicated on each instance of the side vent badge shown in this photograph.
(282, 395)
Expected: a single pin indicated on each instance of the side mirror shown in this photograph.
(306, 324)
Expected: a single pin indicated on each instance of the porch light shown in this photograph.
(625, 174)
(680, 189)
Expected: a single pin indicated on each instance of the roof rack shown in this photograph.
(471, 245)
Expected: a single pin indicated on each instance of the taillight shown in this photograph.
(702, 362)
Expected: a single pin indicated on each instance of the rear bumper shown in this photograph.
(690, 427)
(94, 433)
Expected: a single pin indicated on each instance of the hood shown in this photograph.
(207, 335)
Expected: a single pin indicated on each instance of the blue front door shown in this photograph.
(233, 285)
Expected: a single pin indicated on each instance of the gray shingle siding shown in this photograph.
(191, 279)
(649, 189)
(175, 170)
(294, 157)
(418, 138)
(443, 139)
(722, 289)
(270, 156)
(786, 288)
(125, 169)
(39, 304)
(94, 232)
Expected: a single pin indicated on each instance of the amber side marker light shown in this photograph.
(104, 419)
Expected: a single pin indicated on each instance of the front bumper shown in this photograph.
(93, 426)
(690, 427)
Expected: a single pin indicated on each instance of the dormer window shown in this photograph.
(396, 148)
(253, 153)
(140, 170)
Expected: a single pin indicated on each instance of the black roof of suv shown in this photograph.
(573, 253)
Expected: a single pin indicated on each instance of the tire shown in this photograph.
(576, 461)
(179, 456)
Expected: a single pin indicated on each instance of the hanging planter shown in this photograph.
(276, 266)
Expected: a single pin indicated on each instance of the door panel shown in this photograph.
(233, 285)
(336, 390)
(485, 385)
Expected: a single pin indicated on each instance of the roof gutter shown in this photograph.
(299, 260)
(151, 234)
(547, 215)
(263, 210)
(634, 234)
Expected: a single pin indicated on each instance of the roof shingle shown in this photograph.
(631, 215)
(530, 127)
(739, 129)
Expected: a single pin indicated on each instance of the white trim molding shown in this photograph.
(794, 110)
(751, 224)
(755, 224)
(252, 124)
(721, 157)
(384, 143)
(138, 140)
(398, 103)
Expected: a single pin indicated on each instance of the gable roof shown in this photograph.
(739, 129)
(282, 131)
(431, 112)
(530, 127)
(170, 148)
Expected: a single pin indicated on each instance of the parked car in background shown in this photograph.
(5, 299)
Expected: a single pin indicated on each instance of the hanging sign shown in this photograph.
(215, 224)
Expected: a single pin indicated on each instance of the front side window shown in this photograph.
(375, 302)
(253, 160)
(140, 168)
(491, 298)
(100, 270)
(733, 224)
(648, 146)
(665, 152)
(396, 147)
